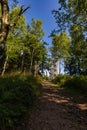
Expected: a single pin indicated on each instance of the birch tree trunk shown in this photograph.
(35, 68)
(4, 67)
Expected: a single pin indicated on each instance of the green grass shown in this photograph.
(17, 93)
(76, 85)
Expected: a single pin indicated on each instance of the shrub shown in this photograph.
(17, 93)
(59, 79)
(77, 82)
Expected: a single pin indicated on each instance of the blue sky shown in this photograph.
(42, 9)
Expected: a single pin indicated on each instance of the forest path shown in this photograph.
(57, 110)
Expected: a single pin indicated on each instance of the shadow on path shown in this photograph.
(57, 110)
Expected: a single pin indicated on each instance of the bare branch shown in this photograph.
(26, 9)
(22, 10)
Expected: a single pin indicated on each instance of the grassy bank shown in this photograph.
(17, 93)
(75, 84)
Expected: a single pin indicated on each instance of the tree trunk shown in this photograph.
(4, 29)
(31, 62)
(79, 68)
(4, 67)
(5, 26)
(22, 63)
(35, 68)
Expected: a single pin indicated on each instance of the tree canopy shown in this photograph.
(71, 16)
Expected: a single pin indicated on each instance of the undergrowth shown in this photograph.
(17, 93)
(77, 84)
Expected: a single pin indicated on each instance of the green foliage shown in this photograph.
(78, 48)
(35, 48)
(78, 44)
(59, 79)
(27, 39)
(61, 45)
(71, 15)
(14, 43)
(71, 11)
(21, 23)
(33, 39)
(36, 28)
(76, 83)
(17, 93)
(45, 77)
(60, 49)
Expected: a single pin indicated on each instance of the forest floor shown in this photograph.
(56, 109)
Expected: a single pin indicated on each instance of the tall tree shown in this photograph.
(71, 15)
(61, 44)
(78, 48)
(60, 48)
(14, 39)
(71, 12)
(34, 43)
(6, 25)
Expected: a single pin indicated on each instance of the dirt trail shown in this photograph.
(57, 110)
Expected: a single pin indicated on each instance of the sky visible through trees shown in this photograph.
(42, 9)
(60, 16)
(24, 59)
